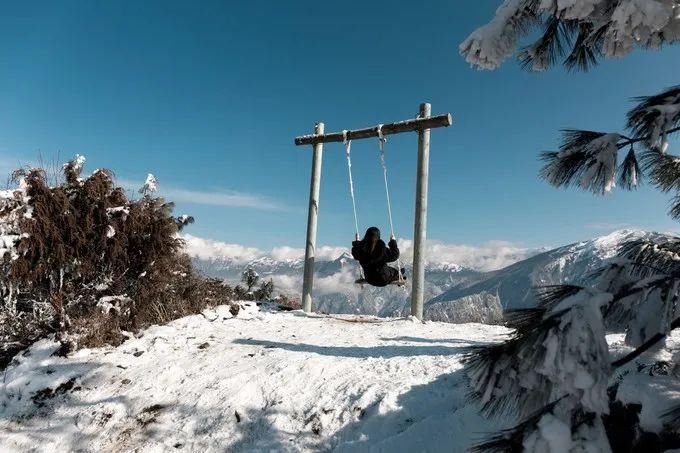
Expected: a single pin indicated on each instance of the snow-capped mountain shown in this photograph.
(512, 285)
(453, 292)
(336, 292)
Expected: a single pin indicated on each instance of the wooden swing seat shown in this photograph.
(362, 282)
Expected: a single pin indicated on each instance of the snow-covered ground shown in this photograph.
(261, 381)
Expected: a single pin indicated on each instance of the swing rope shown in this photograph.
(382, 140)
(348, 150)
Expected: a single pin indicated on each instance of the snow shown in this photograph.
(150, 185)
(261, 381)
(14, 205)
(78, 162)
(603, 152)
(552, 435)
(490, 45)
(641, 23)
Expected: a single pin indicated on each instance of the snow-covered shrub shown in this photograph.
(81, 258)
(250, 278)
(575, 32)
(265, 291)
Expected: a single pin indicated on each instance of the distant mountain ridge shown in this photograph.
(573, 263)
(453, 292)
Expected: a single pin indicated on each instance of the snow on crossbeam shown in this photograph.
(415, 124)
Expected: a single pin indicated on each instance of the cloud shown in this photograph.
(230, 198)
(287, 253)
(610, 226)
(208, 249)
(339, 282)
(488, 256)
(325, 252)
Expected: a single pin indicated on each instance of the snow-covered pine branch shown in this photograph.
(590, 159)
(564, 353)
(577, 32)
(554, 370)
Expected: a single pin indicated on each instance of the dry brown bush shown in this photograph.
(91, 263)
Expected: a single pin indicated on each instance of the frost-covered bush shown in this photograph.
(575, 32)
(82, 260)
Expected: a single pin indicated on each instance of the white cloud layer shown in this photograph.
(489, 256)
(325, 252)
(208, 249)
(486, 257)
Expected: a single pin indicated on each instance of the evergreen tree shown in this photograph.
(250, 278)
(555, 372)
(265, 291)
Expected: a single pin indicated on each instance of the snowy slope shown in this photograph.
(262, 381)
(513, 285)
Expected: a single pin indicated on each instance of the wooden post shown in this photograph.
(420, 229)
(312, 216)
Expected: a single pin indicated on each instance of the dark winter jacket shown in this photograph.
(374, 258)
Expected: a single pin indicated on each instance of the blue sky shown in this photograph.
(208, 96)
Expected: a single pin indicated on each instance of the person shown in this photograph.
(373, 256)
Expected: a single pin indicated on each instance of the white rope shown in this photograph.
(382, 140)
(348, 149)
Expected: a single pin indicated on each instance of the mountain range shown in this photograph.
(453, 292)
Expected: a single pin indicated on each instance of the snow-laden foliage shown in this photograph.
(558, 353)
(82, 260)
(554, 371)
(590, 160)
(150, 185)
(576, 32)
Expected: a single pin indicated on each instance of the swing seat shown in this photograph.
(362, 282)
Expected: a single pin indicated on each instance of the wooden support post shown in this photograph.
(420, 229)
(312, 216)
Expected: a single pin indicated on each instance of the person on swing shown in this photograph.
(373, 255)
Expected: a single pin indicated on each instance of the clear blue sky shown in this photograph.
(209, 95)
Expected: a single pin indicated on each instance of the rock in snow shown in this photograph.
(263, 381)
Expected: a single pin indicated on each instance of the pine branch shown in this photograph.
(524, 318)
(662, 257)
(645, 138)
(672, 417)
(663, 169)
(586, 158)
(674, 211)
(510, 440)
(548, 48)
(629, 171)
(587, 49)
(645, 346)
(651, 116)
(550, 295)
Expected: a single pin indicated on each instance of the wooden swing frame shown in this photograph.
(422, 125)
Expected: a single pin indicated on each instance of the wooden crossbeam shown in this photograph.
(416, 124)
